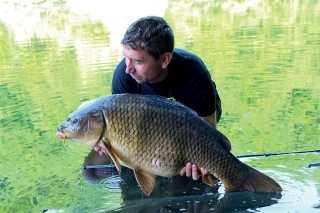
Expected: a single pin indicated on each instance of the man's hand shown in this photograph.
(192, 170)
(101, 150)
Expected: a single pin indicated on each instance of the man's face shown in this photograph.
(142, 67)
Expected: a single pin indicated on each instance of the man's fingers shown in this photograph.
(191, 170)
(204, 171)
(103, 151)
(97, 148)
(183, 171)
(100, 150)
(188, 170)
(195, 173)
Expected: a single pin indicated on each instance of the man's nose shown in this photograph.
(130, 67)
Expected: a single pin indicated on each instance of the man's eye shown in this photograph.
(137, 62)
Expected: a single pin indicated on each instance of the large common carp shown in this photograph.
(155, 136)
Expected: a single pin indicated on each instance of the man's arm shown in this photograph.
(211, 119)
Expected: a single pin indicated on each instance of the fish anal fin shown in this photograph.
(112, 156)
(256, 182)
(207, 179)
(146, 180)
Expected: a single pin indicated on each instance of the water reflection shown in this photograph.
(175, 186)
(176, 194)
(230, 202)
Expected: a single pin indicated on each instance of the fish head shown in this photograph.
(85, 125)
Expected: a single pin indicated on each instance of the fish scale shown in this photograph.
(155, 136)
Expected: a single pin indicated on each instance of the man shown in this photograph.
(151, 65)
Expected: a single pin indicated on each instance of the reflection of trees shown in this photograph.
(53, 44)
(88, 39)
(44, 56)
(249, 27)
(258, 52)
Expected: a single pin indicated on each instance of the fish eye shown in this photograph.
(74, 121)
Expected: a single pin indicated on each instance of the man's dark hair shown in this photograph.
(152, 34)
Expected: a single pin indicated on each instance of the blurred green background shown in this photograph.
(263, 55)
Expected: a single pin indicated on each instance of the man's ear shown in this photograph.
(165, 60)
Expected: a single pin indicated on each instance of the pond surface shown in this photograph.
(263, 55)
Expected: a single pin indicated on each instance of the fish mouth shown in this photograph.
(60, 134)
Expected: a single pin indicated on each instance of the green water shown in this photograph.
(263, 55)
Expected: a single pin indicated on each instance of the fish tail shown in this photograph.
(257, 182)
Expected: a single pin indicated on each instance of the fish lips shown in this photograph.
(60, 133)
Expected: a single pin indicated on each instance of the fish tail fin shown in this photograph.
(257, 182)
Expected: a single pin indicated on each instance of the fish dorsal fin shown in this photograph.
(112, 155)
(146, 180)
(225, 140)
(207, 179)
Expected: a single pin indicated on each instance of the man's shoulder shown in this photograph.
(182, 53)
(187, 63)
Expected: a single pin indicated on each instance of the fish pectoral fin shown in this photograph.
(146, 180)
(207, 179)
(113, 157)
